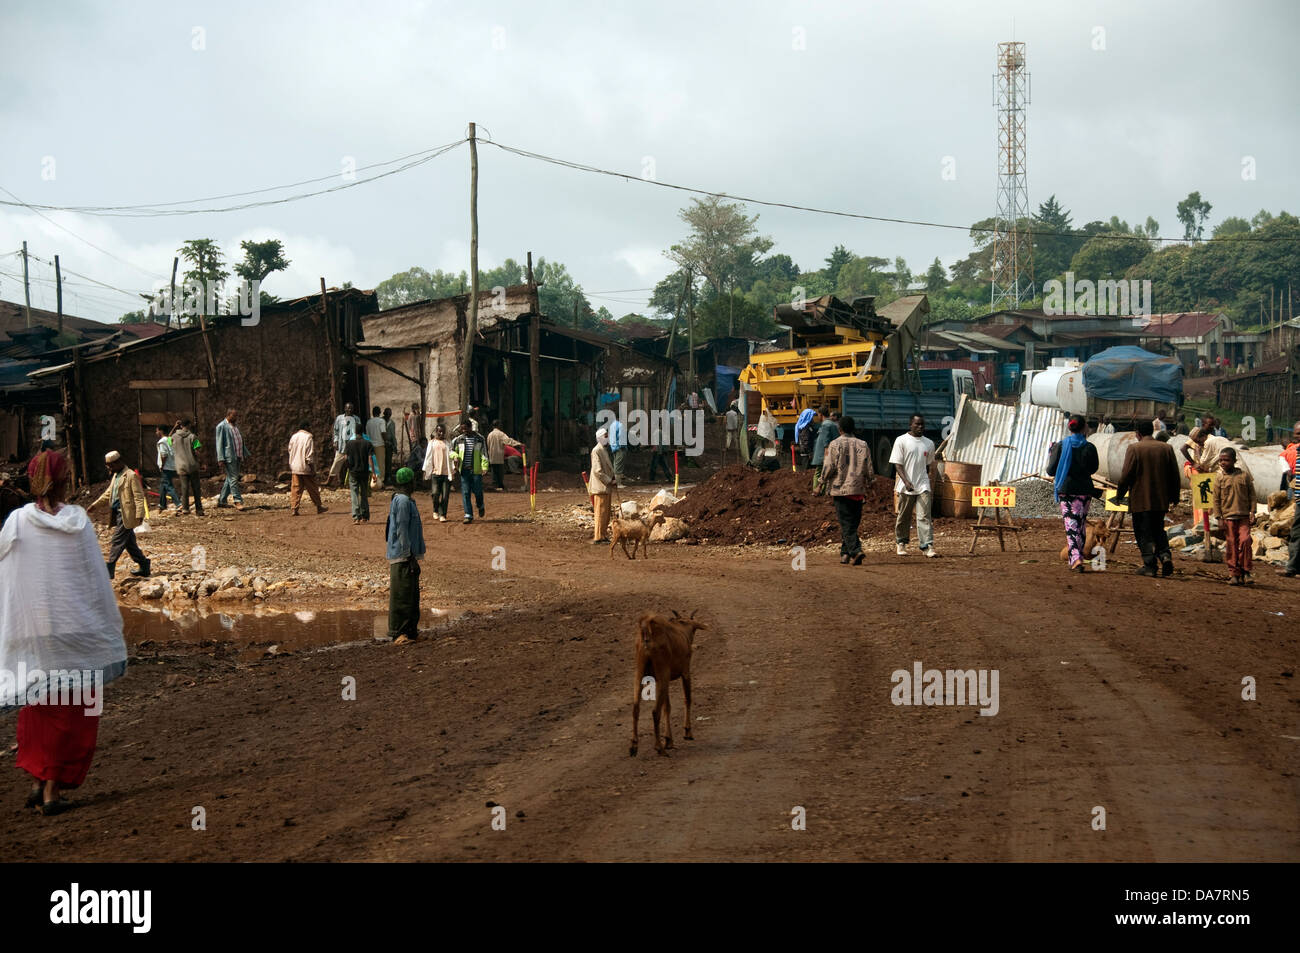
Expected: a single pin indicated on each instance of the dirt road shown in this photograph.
(1115, 691)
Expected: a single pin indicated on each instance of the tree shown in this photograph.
(1053, 247)
(733, 314)
(1232, 225)
(508, 273)
(1108, 256)
(561, 297)
(417, 284)
(839, 257)
(902, 275)
(723, 242)
(936, 279)
(133, 317)
(207, 268)
(1192, 212)
(260, 259)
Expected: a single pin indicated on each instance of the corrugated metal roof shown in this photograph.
(1010, 441)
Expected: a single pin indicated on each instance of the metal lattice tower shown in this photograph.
(1013, 263)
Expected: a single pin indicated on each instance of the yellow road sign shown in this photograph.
(993, 496)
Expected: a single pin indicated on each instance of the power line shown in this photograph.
(630, 177)
(163, 210)
(85, 241)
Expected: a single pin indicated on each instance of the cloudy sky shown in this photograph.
(847, 106)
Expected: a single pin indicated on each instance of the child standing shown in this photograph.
(437, 470)
(1234, 505)
(405, 537)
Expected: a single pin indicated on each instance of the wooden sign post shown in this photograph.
(998, 499)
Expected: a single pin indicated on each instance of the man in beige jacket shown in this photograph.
(848, 473)
(125, 495)
(599, 484)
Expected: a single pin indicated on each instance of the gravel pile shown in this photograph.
(1034, 499)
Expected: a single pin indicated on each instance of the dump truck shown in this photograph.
(855, 360)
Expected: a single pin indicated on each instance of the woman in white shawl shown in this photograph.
(60, 633)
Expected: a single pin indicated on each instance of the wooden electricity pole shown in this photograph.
(171, 301)
(535, 367)
(58, 290)
(27, 289)
(471, 331)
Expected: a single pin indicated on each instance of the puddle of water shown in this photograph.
(252, 632)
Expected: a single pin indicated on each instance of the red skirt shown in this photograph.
(56, 742)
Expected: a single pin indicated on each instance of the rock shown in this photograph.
(208, 586)
(152, 589)
(1272, 542)
(670, 529)
(259, 584)
(662, 498)
(231, 595)
(1178, 542)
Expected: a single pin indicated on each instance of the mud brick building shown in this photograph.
(414, 354)
(298, 361)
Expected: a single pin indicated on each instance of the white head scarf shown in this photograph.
(602, 437)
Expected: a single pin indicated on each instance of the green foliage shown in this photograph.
(839, 257)
(133, 317)
(1108, 256)
(1232, 225)
(418, 284)
(261, 259)
(732, 315)
(1052, 250)
(723, 242)
(1192, 213)
(936, 279)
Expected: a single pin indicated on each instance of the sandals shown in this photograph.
(50, 808)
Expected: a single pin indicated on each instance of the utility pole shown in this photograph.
(171, 301)
(535, 366)
(58, 290)
(471, 331)
(27, 288)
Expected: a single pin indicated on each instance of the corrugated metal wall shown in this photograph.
(1010, 441)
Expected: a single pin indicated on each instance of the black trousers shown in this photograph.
(1293, 547)
(1149, 528)
(498, 475)
(659, 459)
(189, 483)
(123, 539)
(849, 513)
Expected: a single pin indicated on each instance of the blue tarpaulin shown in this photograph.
(1130, 373)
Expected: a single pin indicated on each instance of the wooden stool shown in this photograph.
(996, 525)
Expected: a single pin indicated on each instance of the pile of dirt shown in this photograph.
(740, 505)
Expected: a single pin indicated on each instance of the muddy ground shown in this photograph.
(1115, 691)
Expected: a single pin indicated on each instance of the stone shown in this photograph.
(152, 589)
(1272, 542)
(670, 529)
(662, 498)
(259, 584)
(231, 595)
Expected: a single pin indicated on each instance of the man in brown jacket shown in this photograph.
(846, 469)
(1150, 481)
(127, 510)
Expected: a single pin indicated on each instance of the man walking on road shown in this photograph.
(185, 448)
(346, 427)
(167, 469)
(376, 430)
(827, 431)
(600, 482)
(390, 444)
(125, 495)
(230, 453)
(360, 456)
(847, 471)
(497, 441)
(469, 456)
(618, 447)
(1150, 481)
(913, 452)
(302, 467)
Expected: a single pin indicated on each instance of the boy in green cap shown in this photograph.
(405, 536)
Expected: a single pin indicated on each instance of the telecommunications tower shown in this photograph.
(1013, 264)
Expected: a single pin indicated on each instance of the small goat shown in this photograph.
(1094, 535)
(663, 650)
(636, 529)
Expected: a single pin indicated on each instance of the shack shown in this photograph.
(296, 362)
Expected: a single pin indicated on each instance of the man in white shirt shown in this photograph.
(1106, 425)
(912, 455)
(346, 427)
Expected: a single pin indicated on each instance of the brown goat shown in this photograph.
(637, 530)
(1095, 535)
(663, 650)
